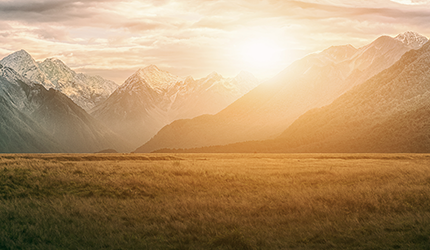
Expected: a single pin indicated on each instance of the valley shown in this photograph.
(222, 125)
(215, 201)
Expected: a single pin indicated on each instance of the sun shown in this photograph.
(260, 53)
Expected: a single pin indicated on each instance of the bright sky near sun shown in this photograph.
(196, 37)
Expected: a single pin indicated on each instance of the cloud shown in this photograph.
(71, 13)
(412, 2)
(194, 36)
(52, 33)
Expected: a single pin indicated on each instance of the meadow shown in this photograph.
(214, 201)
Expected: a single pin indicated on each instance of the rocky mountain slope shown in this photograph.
(33, 119)
(152, 98)
(18, 132)
(266, 111)
(84, 90)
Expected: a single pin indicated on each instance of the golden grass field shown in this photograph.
(214, 201)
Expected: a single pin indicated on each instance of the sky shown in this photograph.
(196, 37)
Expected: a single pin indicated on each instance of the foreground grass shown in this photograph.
(210, 201)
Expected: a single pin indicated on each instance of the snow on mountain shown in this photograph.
(84, 90)
(24, 64)
(152, 98)
(152, 77)
(34, 119)
(159, 80)
(412, 39)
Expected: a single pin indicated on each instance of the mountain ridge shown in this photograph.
(84, 90)
(269, 109)
(152, 98)
(389, 113)
(400, 91)
(37, 120)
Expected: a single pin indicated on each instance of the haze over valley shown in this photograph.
(48, 107)
(202, 76)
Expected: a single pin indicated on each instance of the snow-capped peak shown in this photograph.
(151, 67)
(156, 78)
(25, 65)
(214, 75)
(55, 64)
(19, 60)
(412, 39)
(56, 61)
(84, 90)
(57, 71)
(22, 52)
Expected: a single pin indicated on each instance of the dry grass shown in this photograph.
(215, 201)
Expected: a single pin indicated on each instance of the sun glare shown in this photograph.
(260, 53)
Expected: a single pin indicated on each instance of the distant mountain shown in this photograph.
(152, 98)
(33, 119)
(84, 90)
(266, 111)
(388, 113)
(412, 39)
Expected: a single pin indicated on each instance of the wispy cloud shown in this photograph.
(195, 36)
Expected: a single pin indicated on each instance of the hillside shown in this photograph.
(37, 120)
(388, 113)
(266, 111)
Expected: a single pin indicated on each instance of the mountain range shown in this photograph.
(58, 119)
(389, 113)
(86, 91)
(343, 99)
(152, 98)
(36, 120)
(266, 111)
